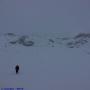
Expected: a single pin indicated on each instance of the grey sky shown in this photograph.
(25, 16)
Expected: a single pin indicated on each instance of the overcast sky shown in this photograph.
(25, 16)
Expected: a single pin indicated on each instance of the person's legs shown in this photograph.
(16, 71)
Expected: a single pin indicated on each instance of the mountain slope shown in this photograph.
(80, 40)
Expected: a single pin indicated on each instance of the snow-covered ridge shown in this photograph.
(46, 40)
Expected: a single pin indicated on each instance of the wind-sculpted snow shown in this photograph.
(46, 40)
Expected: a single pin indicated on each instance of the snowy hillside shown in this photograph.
(80, 40)
(44, 68)
(50, 40)
(46, 40)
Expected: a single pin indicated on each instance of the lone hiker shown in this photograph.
(17, 69)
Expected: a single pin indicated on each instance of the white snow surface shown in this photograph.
(45, 68)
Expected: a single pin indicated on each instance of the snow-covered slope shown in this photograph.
(48, 61)
(46, 40)
(48, 64)
(45, 68)
(79, 40)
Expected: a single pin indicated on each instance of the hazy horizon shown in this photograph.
(26, 16)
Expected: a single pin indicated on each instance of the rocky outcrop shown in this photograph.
(71, 42)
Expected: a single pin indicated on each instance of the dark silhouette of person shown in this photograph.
(17, 69)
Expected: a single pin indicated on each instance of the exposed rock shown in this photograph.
(23, 40)
(28, 43)
(51, 40)
(65, 38)
(13, 42)
(10, 34)
(82, 35)
(71, 42)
